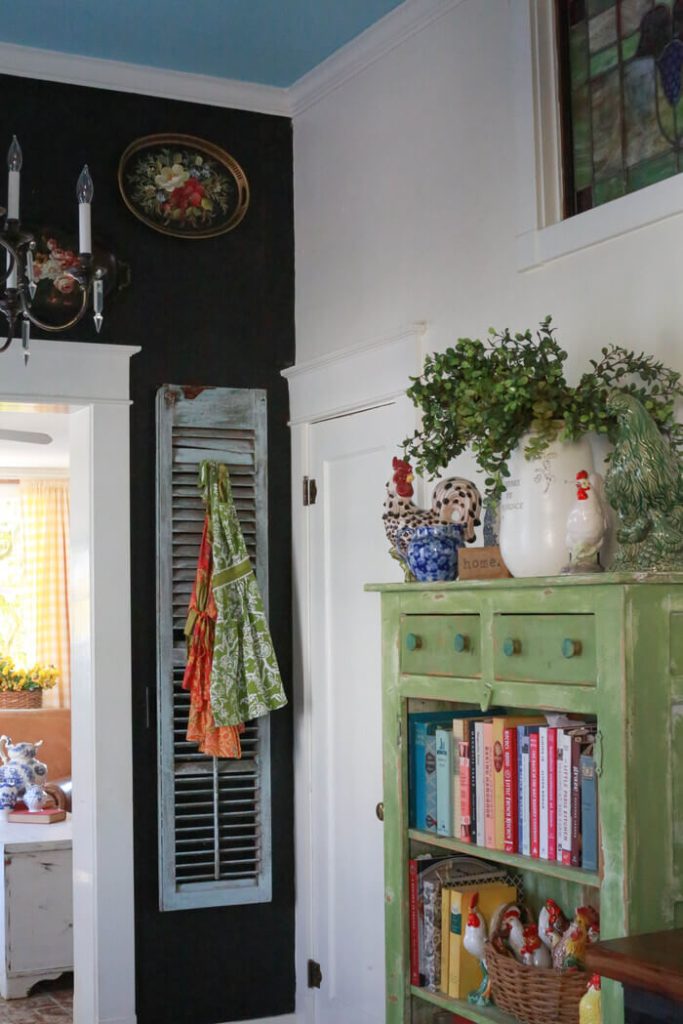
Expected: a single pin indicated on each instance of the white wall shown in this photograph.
(405, 198)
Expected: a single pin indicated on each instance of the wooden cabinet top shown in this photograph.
(521, 583)
(653, 962)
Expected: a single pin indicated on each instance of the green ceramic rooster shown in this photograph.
(644, 484)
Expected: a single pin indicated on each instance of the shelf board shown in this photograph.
(515, 860)
(477, 1014)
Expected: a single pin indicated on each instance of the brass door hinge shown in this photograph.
(315, 975)
(310, 491)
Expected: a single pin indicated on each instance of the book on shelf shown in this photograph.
(552, 793)
(479, 781)
(473, 781)
(543, 791)
(510, 789)
(44, 816)
(416, 868)
(525, 797)
(589, 814)
(422, 726)
(444, 780)
(534, 795)
(461, 781)
(488, 772)
(464, 973)
(564, 801)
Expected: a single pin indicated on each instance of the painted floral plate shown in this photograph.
(183, 186)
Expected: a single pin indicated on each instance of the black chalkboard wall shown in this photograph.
(218, 311)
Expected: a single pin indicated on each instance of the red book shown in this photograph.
(489, 789)
(510, 789)
(534, 794)
(576, 802)
(552, 794)
(413, 923)
(465, 793)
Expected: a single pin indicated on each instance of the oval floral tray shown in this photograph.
(183, 186)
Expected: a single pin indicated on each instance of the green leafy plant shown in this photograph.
(486, 395)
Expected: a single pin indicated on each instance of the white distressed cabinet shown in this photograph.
(36, 914)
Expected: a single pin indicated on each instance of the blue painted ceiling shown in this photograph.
(272, 42)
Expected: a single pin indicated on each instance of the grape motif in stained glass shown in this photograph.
(622, 71)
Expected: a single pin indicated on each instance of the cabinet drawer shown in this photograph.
(440, 645)
(545, 648)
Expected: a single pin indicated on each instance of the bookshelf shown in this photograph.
(608, 646)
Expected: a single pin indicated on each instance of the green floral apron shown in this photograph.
(245, 678)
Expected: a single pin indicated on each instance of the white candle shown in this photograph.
(14, 161)
(84, 193)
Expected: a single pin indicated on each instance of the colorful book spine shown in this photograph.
(534, 793)
(576, 802)
(473, 781)
(459, 736)
(564, 796)
(465, 801)
(430, 779)
(552, 793)
(526, 794)
(543, 790)
(589, 814)
(479, 781)
(510, 789)
(443, 743)
(445, 938)
(499, 725)
(418, 723)
(489, 788)
(520, 789)
(413, 923)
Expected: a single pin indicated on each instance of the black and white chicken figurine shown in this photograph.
(586, 524)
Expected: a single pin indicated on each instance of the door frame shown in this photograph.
(348, 381)
(90, 381)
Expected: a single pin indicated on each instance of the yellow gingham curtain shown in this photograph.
(45, 529)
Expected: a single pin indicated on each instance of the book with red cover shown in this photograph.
(534, 792)
(576, 802)
(489, 788)
(510, 789)
(413, 923)
(552, 793)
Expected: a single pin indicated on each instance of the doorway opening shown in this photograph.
(87, 387)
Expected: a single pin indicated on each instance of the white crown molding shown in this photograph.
(379, 39)
(72, 69)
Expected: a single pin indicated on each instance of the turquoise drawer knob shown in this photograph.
(413, 641)
(571, 648)
(511, 646)
(461, 642)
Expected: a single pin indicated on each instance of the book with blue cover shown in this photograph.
(422, 726)
(444, 780)
(589, 814)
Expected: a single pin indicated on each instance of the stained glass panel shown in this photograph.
(622, 93)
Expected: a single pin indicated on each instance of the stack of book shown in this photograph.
(507, 782)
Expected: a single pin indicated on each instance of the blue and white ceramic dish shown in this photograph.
(432, 551)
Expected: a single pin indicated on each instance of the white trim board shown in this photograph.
(104, 937)
(347, 380)
(346, 62)
(542, 234)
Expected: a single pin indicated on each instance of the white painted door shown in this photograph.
(350, 459)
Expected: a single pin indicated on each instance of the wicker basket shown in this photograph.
(17, 699)
(535, 995)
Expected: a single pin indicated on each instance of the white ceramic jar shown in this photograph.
(534, 508)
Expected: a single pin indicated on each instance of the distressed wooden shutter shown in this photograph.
(214, 814)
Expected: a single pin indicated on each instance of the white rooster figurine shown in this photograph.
(474, 941)
(586, 524)
(533, 952)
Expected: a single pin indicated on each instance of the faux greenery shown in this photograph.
(12, 679)
(486, 395)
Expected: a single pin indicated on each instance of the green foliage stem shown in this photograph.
(486, 395)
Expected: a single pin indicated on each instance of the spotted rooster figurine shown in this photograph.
(454, 501)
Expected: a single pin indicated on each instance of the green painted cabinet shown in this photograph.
(609, 646)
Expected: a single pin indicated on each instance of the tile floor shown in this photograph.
(50, 1002)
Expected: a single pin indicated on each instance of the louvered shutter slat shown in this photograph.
(215, 838)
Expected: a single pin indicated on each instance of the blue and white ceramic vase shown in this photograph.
(431, 551)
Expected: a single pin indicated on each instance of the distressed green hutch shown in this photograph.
(607, 645)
